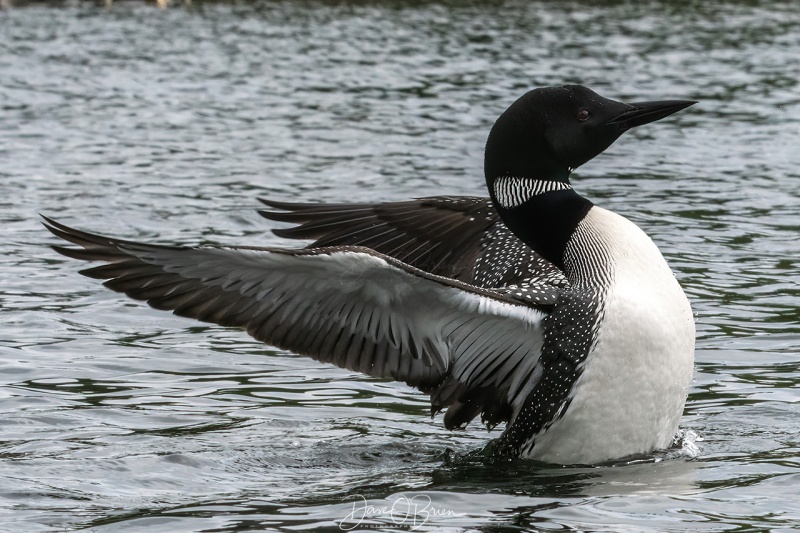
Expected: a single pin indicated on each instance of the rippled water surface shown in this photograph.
(166, 125)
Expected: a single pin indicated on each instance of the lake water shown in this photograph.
(166, 125)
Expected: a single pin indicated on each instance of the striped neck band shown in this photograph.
(512, 192)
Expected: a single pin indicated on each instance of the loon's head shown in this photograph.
(549, 132)
(535, 145)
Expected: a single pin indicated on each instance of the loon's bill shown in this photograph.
(533, 307)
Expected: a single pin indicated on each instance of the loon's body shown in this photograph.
(533, 307)
(636, 376)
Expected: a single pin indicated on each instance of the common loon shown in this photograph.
(534, 307)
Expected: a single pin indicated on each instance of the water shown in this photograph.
(166, 125)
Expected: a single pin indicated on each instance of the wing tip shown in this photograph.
(62, 231)
(288, 206)
(53, 226)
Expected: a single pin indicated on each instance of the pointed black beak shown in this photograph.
(640, 113)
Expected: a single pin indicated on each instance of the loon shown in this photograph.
(533, 307)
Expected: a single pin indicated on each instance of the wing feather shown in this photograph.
(445, 235)
(349, 306)
(409, 231)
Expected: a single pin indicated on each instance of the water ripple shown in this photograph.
(166, 125)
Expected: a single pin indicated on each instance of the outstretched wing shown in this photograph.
(457, 237)
(475, 351)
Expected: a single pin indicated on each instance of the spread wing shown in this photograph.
(474, 350)
(457, 237)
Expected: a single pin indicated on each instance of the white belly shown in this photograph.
(630, 396)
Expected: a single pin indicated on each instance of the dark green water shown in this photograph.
(166, 125)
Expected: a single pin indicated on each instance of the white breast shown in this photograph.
(630, 396)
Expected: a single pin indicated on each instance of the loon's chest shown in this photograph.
(630, 394)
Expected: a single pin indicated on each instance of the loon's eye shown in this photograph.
(583, 115)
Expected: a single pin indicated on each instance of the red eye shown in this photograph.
(583, 115)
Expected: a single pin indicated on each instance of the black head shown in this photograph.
(535, 145)
(551, 131)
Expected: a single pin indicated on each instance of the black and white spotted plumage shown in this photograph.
(498, 260)
(533, 307)
(459, 237)
(575, 318)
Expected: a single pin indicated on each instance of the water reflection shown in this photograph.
(166, 125)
